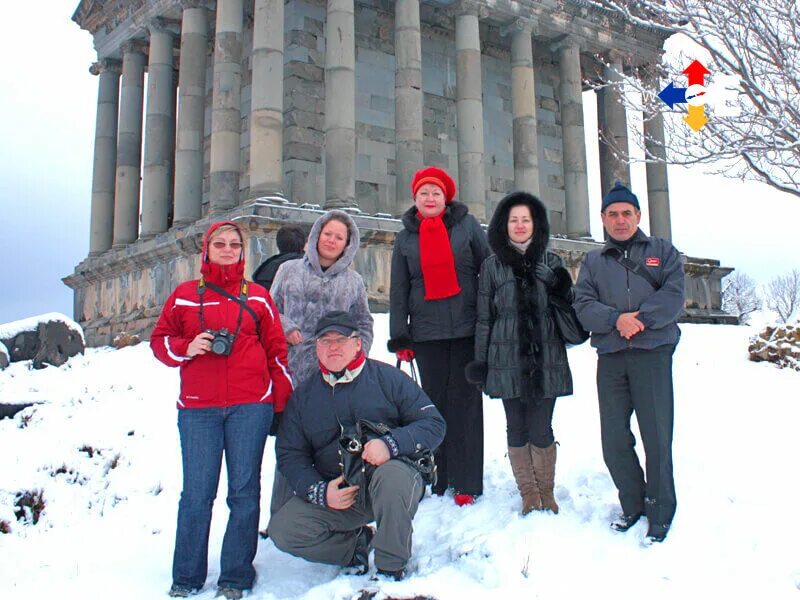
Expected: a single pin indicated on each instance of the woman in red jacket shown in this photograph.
(225, 335)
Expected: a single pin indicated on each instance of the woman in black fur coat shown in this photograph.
(520, 353)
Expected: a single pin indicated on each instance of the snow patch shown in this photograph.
(14, 328)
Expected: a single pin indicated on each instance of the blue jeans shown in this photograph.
(241, 431)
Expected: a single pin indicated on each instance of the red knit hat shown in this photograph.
(436, 176)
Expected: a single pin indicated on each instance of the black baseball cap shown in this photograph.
(337, 320)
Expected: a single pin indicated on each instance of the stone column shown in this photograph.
(613, 126)
(129, 147)
(226, 114)
(340, 98)
(266, 116)
(573, 139)
(523, 108)
(159, 135)
(657, 181)
(469, 109)
(191, 114)
(408, 100)
(105, 155)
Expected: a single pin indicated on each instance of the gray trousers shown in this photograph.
(639, 381)
(326, 535)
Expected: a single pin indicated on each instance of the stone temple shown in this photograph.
(270, 111)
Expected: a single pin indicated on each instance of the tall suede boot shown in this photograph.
(544, 465)
(522, 467)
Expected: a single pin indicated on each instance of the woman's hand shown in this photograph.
(294, 337)
(200, 344)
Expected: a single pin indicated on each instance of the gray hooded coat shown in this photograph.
(303, 293)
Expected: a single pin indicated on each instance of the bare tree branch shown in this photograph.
(783, 295)
(757, 44)
(740, 296)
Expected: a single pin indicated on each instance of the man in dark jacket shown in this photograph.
(324, 522)
(630, 294)
(290, 240)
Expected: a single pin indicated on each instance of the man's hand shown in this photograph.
(200, 344)
(375, 452)
(294, 337)
(340, 499)
(628, 325)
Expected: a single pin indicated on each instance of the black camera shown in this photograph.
(222, 342)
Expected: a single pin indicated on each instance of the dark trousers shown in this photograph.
(639, 381)
(326, 535)
(459, 459)
(529, 422)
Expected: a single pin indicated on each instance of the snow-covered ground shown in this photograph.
(103, 447)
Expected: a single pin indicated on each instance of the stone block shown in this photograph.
(300, 151)
(554, 156)
(382, 104)
(302, 118)
(548, 104)
(304, 39)
(304, 70)
(303, 135)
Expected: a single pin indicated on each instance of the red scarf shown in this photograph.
(436, 259)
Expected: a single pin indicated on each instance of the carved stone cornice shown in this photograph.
(527, 25)
(106, 64)
(568, 41)
(137, 46)
(184, 4)
(474, 8)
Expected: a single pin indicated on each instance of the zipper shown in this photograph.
(628, 286)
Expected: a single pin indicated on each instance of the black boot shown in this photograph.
(398, 575)
(359, 565)
(657, 532)
(624, 522)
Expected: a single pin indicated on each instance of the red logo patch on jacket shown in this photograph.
(652, 261)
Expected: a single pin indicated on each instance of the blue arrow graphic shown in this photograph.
(672, 95)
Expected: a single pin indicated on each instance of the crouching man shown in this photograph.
(327, 520)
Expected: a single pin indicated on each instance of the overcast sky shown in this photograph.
(47, 118)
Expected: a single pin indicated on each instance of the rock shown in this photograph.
(125, 339)
(4, 358)
(49, 339)
(778, 344)
(9, 410)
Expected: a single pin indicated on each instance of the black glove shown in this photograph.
(545, 274)
(276, 422)
(476, 372)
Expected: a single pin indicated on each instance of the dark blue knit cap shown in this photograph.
(619, 193)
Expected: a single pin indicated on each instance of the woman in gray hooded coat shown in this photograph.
(307, 288)
(322, 281)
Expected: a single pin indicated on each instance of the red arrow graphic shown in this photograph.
(696, 73)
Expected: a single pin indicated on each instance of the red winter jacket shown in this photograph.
(257, 368)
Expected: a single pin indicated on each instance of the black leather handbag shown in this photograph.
(358, 472)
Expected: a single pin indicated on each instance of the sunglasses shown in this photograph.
(220, 245)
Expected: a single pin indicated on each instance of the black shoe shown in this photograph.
(657, 533)
(398, 575)
(625, 522)
(181, 591)
(360, 563)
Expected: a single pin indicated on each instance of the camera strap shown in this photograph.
(241, 300)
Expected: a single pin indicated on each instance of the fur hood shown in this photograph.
(346, 259)
(498, 228)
